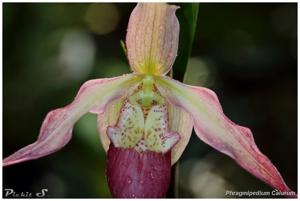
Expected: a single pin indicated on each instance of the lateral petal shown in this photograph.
(215, 129)
(57, 127)
(152, 38)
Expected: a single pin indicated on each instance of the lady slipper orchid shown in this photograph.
(145, 118)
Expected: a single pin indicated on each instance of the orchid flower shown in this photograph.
(145, 119)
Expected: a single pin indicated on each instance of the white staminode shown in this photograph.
(150, 133)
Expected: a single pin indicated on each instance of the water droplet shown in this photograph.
(129, 180)
(154, 167)
(151, 175)
(133, 195)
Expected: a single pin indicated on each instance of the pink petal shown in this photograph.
(152, 38)
(57, 127)
(215, 129)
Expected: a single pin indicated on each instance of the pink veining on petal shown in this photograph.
(56, 130)
(41, 147)
(215, 129)
(152, 38)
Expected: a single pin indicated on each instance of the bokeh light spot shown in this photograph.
(102, 18)
(202, 178)
(77, 53)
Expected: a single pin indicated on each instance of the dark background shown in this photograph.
(246, 53)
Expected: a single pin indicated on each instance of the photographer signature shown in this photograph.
(11, 193)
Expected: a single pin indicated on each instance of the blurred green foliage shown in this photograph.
(187, 16)
(247, 53)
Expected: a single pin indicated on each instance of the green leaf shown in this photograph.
(187, 16)
(123, 47)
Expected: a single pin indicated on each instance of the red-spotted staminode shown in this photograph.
(145, 118)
